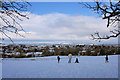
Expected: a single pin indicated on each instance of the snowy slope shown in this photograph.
(47, 67)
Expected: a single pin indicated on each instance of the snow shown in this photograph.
(84, 51)
(38, 52)
(29, 53)
(47, 67)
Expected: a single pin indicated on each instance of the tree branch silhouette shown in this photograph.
(109, 11)
(11, 12)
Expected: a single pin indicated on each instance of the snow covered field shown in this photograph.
(47, 67)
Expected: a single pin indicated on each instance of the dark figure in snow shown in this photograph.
(106, 58)
(58, 58)
(76, 60)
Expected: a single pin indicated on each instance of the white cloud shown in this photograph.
(62, 27)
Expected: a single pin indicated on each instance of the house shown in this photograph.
(92, 51)
(8, 54)
(17, 53)
(28, 54)
(51, 49)
(38, 54)
(83, 52)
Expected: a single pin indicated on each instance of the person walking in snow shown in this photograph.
(70, 57)
(106, 58)
(58, 58)
(79, 54)
(76, 61)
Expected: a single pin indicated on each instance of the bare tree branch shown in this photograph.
(10, 14)
(109, 11)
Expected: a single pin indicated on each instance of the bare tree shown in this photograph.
(109, 11)
(11, 12)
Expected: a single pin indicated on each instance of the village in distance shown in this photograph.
(24, 51)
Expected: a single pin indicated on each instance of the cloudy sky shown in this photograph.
(62, 21)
